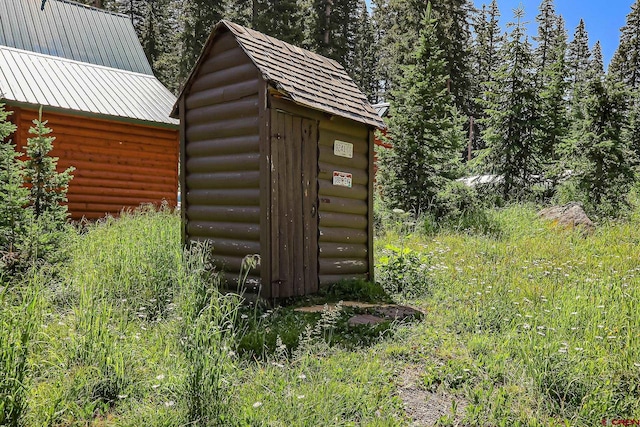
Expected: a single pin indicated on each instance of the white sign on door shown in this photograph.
(342, 179)
(343, 149)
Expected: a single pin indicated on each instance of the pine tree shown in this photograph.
(397, 23)
(512, 108)
(13, 194)
(330, 29)
(603, 161)
(578, 61)
(547, 20)
(425, 129)
(454, 38)
(281, 19)
(198, 18)
(47, 187)
(552, 85)
(486, 47)
(625, 63)
(363, 64)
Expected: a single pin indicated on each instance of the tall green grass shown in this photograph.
(545, 317)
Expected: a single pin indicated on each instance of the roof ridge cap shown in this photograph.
(86, 6)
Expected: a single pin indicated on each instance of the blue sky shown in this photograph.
(603, 18)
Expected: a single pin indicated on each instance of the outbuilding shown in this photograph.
(277, 160)
(107, 110)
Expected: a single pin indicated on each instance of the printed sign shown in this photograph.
(343, 149)
(342, 179)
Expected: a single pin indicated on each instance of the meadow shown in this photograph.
(524, 324)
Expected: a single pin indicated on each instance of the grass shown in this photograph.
(527, 325)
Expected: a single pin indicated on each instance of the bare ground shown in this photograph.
(425, 408)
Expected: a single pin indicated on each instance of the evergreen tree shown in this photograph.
(625, 64)
(578, 61)
(547, 21)
(362, 66)
(13, 194)
(281, 19)
(425, 129)
(330, 27)
(552, 79)
(454, 38)
(486, 47)
(198, 18)
(47, 187)
(603, 161)
(397, 23)
(512, 108)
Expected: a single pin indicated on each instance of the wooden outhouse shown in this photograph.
(277, 160)
(108, 112)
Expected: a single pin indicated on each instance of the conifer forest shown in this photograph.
(537, 113)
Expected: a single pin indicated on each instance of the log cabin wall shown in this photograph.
(345, 242)
(222, 157)
(118, 165)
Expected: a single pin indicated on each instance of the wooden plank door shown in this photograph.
(294, 202)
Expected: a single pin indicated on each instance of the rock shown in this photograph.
(568, 216)
(397, 312)
(365, 319)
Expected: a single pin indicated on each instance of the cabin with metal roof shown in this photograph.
(277, 160)
(109, 114)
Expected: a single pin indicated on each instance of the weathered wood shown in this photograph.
(249, 214)
(343, 205)
(99, 168)
(230, 58)
(359, 161)
(225, 77)
(371, 171)
(226, 163)
(346, 127)
(325, 171)
(245, 107)
(332, 219)
(342, 235)
(118, 176)
(223, 128)
(329, 137)
(233, 247)
(238, 197)
(222, 146)
(224, 230)
(222, 94)
(342, 266)
(265, 190)
(343, 250)
(244, 179)
(358, 192)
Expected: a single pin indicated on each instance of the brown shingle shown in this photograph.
(307, 78)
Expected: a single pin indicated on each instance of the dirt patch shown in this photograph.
(425, 408)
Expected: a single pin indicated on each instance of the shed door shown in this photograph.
(294, 194)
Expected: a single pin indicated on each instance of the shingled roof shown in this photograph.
(308, 79)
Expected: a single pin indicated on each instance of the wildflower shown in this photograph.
(578, 348)
(541, 333)
(637, 365)
(301, 396)
(155, 386)
(526, 326)
(160, 377)
(598, 337)
(244, 316)
(169, 403)
(257, 404)
(396, 211)
(122, 396)
(302, 377)
(574, 313)
(562, 350)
